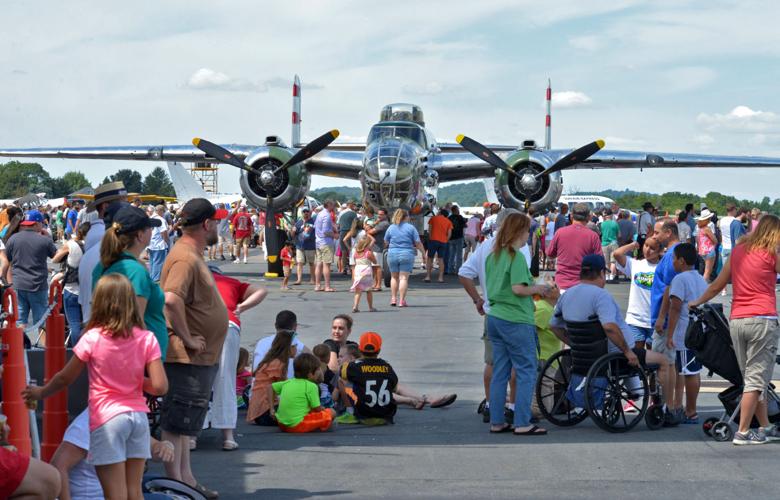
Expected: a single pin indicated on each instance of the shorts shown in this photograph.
(471, 243)
(608, 250)
(641, 333)
(124, 436)
(400, 262)
(13, 467)
(313, 421)
(755, 345)
(242, 241)
(437, 248)
(286, 269)
(659, 346)
(686, 363)
(708, 255)
(324, 255)
(378, 257)
(305, 256)
(185, 405)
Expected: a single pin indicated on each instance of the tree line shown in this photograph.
(19, 178)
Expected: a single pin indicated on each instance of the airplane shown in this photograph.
(400, 165)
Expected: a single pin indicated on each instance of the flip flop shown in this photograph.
(329, 290)
(504, 428)
(445, 401)
(532, 432)
(692, 420)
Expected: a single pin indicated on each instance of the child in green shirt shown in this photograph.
(299, 399)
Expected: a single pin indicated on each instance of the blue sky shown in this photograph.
(657, 76)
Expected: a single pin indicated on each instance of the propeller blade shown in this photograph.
(310, 149)
(220, 154)
(573, 158)
(272, 244)
(484, 153)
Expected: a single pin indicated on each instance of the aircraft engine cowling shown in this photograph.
(514, 191)
(289, 188)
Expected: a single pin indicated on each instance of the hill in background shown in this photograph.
(469, 194)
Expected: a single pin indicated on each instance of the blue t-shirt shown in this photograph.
(664, 273)
(72, 218)
(305, 239)
(401, 238)
(737, 230)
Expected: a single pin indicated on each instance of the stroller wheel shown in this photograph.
(722, 431)
(708, 425)
(654, 418)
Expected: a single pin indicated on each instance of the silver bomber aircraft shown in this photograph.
(400, 165)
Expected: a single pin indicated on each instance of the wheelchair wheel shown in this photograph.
(551, 386)
(654, 418)
(611, 384)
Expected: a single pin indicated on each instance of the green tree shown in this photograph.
(132, 180)
(18, 179)
(157, 182)
(73, 181)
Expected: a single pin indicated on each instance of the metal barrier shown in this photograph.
(14, 376)
(55, 409)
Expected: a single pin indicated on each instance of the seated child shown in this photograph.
(373, 382)
(549, 344)
(272, 368)
(299, 399)
(329, 384)
(243, 379)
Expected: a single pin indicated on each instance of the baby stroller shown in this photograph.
(708, 336)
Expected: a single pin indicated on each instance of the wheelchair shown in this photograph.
(588, 380)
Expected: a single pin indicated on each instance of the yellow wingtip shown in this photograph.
(335, 133)
(459, 138)
(195, 142)
(601, 143)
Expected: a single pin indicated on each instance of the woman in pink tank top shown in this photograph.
(753, 268)
(706, 242)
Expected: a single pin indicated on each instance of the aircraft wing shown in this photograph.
(641, 159)
(187, 153)
(460, 166)
(346, 164)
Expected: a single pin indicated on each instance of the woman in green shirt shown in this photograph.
(120, 251)
(510, 325)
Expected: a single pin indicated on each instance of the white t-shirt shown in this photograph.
(725, 231)
(489, 226)
(686, 286)
(642, 273)
(84, 483)
(548, 236)
(684, 231)
(264, 345)
(74, 258)
(157, 242)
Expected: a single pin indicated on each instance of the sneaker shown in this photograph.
(772, 433)
(347, 418)
(630, 407)
(749, 437)
(222, 257)
(236, 261)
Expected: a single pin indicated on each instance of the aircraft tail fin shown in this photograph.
(547, 124)
(490, 190)
(296, 112)
(184, 184)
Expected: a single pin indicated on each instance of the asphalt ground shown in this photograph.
(435, 347)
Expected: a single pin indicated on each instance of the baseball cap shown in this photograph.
(594, 262)
(370, 342)
(31, 217)
(198, 210)
(128, 219)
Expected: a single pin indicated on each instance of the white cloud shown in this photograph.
(570, 99)
(688, 78)
(208, 79)
(426, 88)
(741, 119)
(623, 142)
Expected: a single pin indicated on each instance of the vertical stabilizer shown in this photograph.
(547, 124)
(296, 112)
(184, 184)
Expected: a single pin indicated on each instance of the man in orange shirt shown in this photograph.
(439, 230)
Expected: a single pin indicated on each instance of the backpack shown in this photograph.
(71, 273)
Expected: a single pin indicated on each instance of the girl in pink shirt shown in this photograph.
(116, 351)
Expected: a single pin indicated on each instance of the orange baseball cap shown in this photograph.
(370, 342)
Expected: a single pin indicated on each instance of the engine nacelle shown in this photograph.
(514, 191)
(289, 188)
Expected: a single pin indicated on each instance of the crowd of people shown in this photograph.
(151, 320)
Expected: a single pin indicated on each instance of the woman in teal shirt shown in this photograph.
(510, 325)
(120, 251)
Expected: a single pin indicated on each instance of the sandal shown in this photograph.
(503, 428)
(229, 445)
(355, 310)
(533, 431)
(210, 494)
(444, 401)
(373, 310)
(329, 290)
(393, 303)
(692, 420)
(420, 404)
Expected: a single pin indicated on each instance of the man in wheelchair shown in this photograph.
(584, 317)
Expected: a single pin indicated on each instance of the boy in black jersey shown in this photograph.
(373, 381)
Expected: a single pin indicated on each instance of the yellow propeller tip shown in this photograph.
(601, 143)
(335, 133)
(459, 138)
(195, 142)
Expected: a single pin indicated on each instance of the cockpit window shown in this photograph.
(390, 131)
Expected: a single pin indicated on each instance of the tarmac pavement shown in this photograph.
(435, 347)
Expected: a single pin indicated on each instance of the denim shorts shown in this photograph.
(708, 255)
(641, 333)
(124, 436)
(35, 302)
(400, 262)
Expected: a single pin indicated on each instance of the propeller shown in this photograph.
(267, 178)
(573, 158)
(483, 152)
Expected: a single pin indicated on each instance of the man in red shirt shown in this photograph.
(570, 244)
(243, 227)
(440, 229)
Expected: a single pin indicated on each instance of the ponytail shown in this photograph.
(114, 244)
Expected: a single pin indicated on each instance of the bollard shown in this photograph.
(14, 377)
(55, 409)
